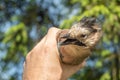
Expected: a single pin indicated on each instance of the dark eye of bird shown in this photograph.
(83, 35)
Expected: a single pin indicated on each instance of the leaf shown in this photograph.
(105, 76)
(98, 64)
(18, 38)
(116, 39)
(105, 53)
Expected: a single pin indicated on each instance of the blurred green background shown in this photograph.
(24, 22)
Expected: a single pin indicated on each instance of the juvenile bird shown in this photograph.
(75, 44)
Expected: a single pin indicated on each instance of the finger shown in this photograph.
(82, 64)
(51, 36)
(42, 40)
(51, 42)
(50, 49)
(77, 67)
(40, 44)
(36, 49)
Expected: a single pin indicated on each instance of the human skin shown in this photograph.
(43, 61)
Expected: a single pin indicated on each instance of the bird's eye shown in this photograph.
(83, 36)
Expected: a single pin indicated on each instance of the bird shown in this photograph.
(76, 44)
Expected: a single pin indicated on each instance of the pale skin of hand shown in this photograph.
(43, 62)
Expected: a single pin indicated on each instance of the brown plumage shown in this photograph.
(75, 44)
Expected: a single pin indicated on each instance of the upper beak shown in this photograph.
(66, 35)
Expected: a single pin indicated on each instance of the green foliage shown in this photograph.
(15, 40)
(98, 64)
(105, 53)
(105, 76)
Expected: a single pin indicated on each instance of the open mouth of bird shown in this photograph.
(73, 42)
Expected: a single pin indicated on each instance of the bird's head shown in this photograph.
(86, 33)
(75, 44)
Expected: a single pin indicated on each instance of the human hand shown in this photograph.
(43, 61)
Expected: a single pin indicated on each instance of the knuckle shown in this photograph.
(53, 29)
